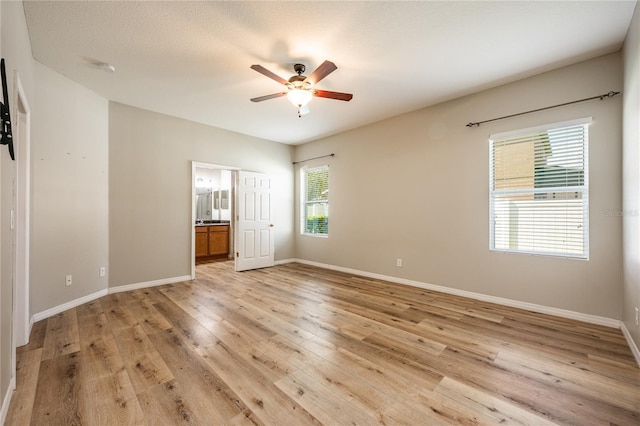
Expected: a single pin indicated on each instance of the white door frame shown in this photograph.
(22, 137)
(194, 165)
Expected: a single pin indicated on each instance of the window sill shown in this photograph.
(315, 235)
(548, 255)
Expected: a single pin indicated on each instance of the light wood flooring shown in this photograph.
(297, 345)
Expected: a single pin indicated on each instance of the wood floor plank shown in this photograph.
(194, 332)
(147, 370)
(323, 402)
(542, 399)
(132, 341)
(101, 357)
(36, 338)
(621, 371)
(264, 399)
(620, 397)
(148, 316)
(117, 311)
(190, 369)
(58, 393)
(493, 409)
(267, 363)
(166, 404)
(298, 345)
(185, 301)
(428, 329)
(235, 314)
(368, 327)
(27, 370)
(246, 418)
(110, 400)
(62, 335)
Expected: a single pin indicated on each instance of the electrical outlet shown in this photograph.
(103, 271)
(398, 262)
(68, 280)
(637, 322)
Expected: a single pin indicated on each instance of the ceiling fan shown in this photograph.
(299, 88)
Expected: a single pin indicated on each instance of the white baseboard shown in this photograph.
(31, 321)
(147, 284)
(7, 400)
(90, 297)
(72, 304)
(630, 342)
(592, 319)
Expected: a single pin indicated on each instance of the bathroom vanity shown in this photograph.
(212, 240)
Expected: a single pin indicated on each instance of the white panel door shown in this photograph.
(254, 229)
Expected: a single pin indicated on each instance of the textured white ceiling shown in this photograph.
(192, 59)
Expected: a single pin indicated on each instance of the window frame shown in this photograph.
(304, 172)
(583, 189)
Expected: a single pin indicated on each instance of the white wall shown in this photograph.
(416, 187)
(69, 181)
(631, 177)
(150, 163)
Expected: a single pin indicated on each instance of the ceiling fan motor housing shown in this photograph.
(298, 82)
(299, 68)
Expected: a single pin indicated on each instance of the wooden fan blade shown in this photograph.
(333, 95)
(267, 97)
(262, 70)
(325, 68)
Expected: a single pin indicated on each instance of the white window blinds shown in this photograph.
(315, 217)
(539, 191)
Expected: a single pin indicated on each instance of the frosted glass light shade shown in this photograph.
(299, 97)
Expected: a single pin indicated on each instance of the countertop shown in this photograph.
(212, 223)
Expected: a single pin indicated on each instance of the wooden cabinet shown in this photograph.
(202, 241)
(218, 239)
(212, 240)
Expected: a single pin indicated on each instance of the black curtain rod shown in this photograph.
(314, 158)
(601, 97)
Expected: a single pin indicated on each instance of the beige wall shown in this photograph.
(631, 177)
(16, 50)
(69, 137)
(7, 172)
(69, 178)
(416, 187)
(150, 160)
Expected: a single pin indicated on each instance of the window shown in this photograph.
(315, 196)
(539, 190)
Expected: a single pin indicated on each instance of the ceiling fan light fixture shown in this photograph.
(299, 97)
(300, 88)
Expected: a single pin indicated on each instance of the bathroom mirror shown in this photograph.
(213, 195)
(204, 204)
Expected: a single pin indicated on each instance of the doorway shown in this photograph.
(251, 242)
(213, 205)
